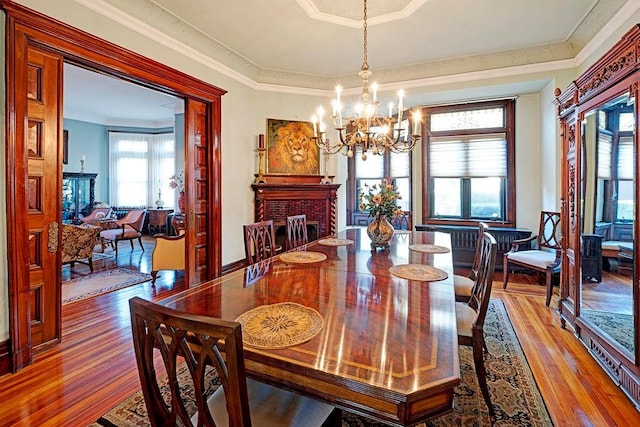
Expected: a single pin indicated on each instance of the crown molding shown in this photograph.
(300, 84)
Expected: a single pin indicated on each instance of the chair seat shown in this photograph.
(271, 406)
(465, 316)
(462, 285)
(116, 233)
(534, 258)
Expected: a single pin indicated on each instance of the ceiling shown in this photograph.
(302, 45)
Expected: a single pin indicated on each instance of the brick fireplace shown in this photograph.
(284, 195)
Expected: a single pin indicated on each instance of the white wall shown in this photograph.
(244, 114)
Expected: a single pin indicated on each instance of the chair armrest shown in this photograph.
(515, 244)
(163, 236)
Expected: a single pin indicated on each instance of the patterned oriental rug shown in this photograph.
(100, 283)
(514, 392)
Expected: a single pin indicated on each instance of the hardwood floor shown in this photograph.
(93, 369)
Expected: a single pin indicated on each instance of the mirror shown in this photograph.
(608, 212)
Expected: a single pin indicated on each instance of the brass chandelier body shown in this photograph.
(367, 130)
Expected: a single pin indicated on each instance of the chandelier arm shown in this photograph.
(366, 130)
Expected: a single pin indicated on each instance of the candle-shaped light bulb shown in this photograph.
(334, 105)
(390, 109)
(338, 92)
(320, 113)
(417, 119)
(400, 95)
(374, 89)
(314, 120)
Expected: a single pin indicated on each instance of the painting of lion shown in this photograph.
(291, 148)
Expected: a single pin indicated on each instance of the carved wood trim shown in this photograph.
(25, 27)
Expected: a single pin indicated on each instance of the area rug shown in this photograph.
(100, 283)
(618, 326)
(514, 392)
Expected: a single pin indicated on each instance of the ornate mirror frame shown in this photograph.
(611, 77)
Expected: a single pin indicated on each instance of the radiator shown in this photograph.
(464, 239)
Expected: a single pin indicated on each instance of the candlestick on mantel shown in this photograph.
(260, 177)
(326, 179)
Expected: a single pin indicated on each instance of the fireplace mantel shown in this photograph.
(285, 195)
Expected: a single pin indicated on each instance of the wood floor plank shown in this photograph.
(93, 369)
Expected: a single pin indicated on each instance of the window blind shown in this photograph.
(604, 155)
(470, 156)
(625, 157)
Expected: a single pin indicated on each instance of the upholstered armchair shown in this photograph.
(78, 242)
(96, 215)
(168, 254)
(127, 228)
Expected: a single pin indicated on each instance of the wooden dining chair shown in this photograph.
(402, 222)
(470, 316)
(259, 241)
(296, 231)
(462, 285)
(544, 258)
(238, 402)
(127, 228)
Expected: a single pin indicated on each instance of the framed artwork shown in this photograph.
(290, 148)
(65, 147)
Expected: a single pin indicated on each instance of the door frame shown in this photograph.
(88, 51)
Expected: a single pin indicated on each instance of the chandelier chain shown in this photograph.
(365, 61)
(367, 131)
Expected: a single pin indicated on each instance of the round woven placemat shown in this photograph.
(428, 248)
(335, 242)
(422, 272)
(303, 257)
(279, 325)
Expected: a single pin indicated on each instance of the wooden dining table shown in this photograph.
(388, 346)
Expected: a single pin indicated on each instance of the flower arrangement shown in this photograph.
(380, 200)
(177, 181)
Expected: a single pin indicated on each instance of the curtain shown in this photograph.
(139, 169)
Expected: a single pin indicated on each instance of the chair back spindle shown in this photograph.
(296, 231)
(259, 241)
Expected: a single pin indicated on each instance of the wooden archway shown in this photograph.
(37, 46)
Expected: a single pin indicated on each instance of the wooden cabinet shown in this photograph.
(78, 194)
(598, 116)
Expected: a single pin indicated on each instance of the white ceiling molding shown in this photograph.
(631, 7)
(108, 11)
(316, 83)
(310, 8)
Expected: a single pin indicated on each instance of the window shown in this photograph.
(362, 173)
(624, 201)
(469, 163)
(139, 168)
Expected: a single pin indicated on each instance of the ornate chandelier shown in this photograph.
(366, 129)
